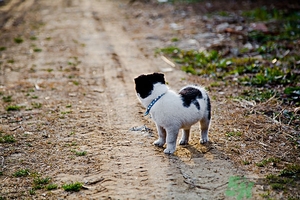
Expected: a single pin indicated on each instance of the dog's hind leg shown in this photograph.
(204, 125)
(161, 136)
(185, 137)
(172, 134)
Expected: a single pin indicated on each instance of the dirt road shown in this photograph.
(73, 78)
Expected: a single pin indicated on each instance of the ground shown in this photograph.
(69, 112)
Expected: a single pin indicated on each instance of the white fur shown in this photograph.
(170, 115)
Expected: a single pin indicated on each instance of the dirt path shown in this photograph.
(83, 78)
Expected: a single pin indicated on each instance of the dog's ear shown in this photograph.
(139, 77)
(159, 77)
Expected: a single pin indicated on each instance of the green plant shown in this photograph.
(2, 48)
(7, 98)
(33, 38)
(75, 82)
(36, 105)
(51, 186)
(37, 50)
(32, 191)
(80, 153)
(21, 173)
(18, 40)
(75, 187)
(234, 134)
(264, 162)
(13, 108)
(7, 139)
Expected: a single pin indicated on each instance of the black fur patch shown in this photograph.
(144, 83)
(190, 95)
(208, 108)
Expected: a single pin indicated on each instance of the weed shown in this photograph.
(7, 98)
(34, 97)
(75, 82)
(33, 38)
(246, 162)
(49, 70)
(68, 106)
(18, 40)
(79, 153)
(11, 61)
(66, 112)
(32, 191)
(2, 48)
(21, 173)
(75, 187)
(258, 94)
(36, 105)
(264, 162)
(41, 181)
(7, 139)
(37, 50)
(234, 134)
(51, 186)
(13, 108)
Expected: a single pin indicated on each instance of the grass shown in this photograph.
(7, 99)
(2, 48)
(75, 82)
(234, 134)
(13, 108)
(79, 153)
(21, 173)
(265, 162)
(51, 186)
(37, 50)
(18, 40)
(287, 179)
(7, 138)
(73, 187)
(36, 105)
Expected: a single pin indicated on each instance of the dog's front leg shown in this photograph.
(161, 136)
(172, 134)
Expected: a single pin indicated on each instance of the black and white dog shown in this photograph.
(171, 111)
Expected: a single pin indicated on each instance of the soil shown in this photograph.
(73, 77)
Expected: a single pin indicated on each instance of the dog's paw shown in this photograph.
(169, 151)
(159, 143)
(183, 142)
(203, 140)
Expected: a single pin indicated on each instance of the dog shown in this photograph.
(172, 111)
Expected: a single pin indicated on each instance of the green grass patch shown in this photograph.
(13, 108)
(7, 99)
(37, 50)
(79, 153)
(265, 162)
(51, 186)
(7, 138)
(75, 82)
(21, 173)
(36, 105)
(33, 38)
(40, 183)
(11, 61)
(287, 179)
(73, 187)
(2, 48)
(234, 134)
(18, 40)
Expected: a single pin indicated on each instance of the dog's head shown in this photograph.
(144, 83)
